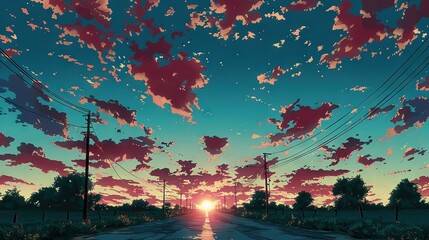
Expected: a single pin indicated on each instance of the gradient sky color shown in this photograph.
(194, 92)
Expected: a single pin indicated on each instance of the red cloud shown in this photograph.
(305, 179)
(113, 199)
(412, 151)
(173, 81)
(138, 148)
(214, 145)
(122, 114)
(231, 11)
(407, 24)
(187, 180)
(423, 183)
(345, 151)
(366, 160)
(274, 75)
(302, 5)
(92, 10)
(414, 112)
(5, 141)
(35, 157)
(8, 180)
(424, 85)
(130, 187)
(299, 121)
(255, 170)
(375, 111)
(95, 38)
(361, 30)
(30, 98)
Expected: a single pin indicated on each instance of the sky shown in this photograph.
(194, 92)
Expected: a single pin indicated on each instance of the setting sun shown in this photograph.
(206, 205)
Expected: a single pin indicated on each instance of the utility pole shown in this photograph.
(235, 195)
(186, 199)
(163, 197)
(266, 182)
(224, 201)
(180, 201)
(85, 195)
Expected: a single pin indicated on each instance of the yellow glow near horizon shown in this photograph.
(207, 205)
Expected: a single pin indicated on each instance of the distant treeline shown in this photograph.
(66, 193)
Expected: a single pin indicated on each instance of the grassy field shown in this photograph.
(29, 224)
(376, 224)
(36, 216)
(407, 216)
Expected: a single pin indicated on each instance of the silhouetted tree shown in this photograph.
(351, 192)
(302, 201)
(44, 198)
(139, 204)
(405, 195)
(273, 206)
(12, 199)
(258, 200)
(70, 191)
(282, 208)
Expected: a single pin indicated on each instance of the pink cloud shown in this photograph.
(129, 187)
(305, 179)
(360, 31)
(276, 72)
(376, 111)
(366, 160)
(224, 15)
(424, 85)
(183, 75)
(345, 151)
(35, 157)
(113, 108)
(30, 98)
(5, 141)
(8, 180)
(414, 112)
(299, 121)
(413, 151)
(139, 148)
(302, 5)
(214, 145)
(423, 182)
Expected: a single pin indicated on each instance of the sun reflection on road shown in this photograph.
(207, 233)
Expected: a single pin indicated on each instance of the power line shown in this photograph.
(385, 99)
(40, 115)
(56, 97)
(364, 100)
(101, 149)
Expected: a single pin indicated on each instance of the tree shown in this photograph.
(12, 199)
(405, 195)
(139, 204)
(351, 192)
(44, 198)
(302, 201)
(258, 200)
(70, 191)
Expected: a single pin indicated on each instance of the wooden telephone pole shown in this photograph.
(235, 195)
(266, 182)
(163, 197)
(85, 195)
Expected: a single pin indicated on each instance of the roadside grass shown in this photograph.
(367, 228)
(55, 229)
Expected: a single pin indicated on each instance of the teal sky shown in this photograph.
(217, 81)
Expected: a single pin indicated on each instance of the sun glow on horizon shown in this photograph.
(206, 205)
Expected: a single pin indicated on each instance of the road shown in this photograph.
(211, 225)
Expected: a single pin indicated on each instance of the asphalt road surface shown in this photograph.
(211, 225)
